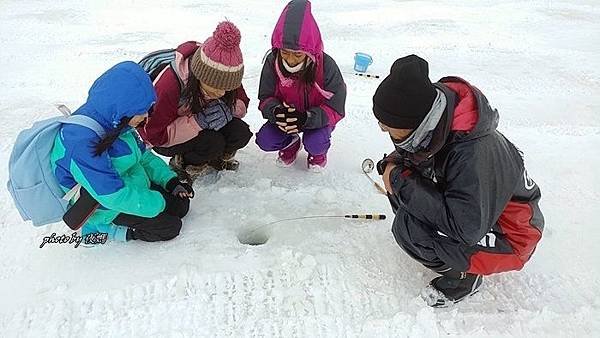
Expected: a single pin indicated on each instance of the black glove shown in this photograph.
(279, 112)
(286, 120)
(394, 157)
(298, 124)
(175, 187)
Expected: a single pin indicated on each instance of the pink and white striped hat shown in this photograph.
(219, 63)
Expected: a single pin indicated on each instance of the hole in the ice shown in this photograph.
(253, 237)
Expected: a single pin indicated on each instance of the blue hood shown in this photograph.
(125, 90)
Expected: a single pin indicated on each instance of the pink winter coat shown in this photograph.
(324, 100)
(170, 122)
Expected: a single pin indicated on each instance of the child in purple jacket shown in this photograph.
(301, 90)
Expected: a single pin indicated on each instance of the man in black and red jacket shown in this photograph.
(465, 206)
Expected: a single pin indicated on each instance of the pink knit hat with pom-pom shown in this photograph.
(218, 63)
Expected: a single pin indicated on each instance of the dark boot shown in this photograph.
(451, 288)
(178, 166)
(195, 171)
(225, 163)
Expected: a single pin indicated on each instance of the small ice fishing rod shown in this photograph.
(368, 75)
(374, 217)
(371, 76)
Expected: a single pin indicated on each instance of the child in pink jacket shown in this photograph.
(196, 119)
(301, 90)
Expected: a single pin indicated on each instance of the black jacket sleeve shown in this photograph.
(320, 116)
(466, 206)
(266, 89)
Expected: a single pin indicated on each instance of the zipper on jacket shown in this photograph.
(305, 98)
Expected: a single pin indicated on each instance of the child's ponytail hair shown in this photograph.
(111, 137)
(191, 95)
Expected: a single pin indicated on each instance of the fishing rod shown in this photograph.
(249, 237)
(371, 76)
(255, 237)
(374, 76)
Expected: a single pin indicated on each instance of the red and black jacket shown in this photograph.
(471, 185)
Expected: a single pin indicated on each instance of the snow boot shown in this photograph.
(220, 165)
(225, 163)
(317, 163)
(287, 156)
(178, 166)
(195, 171)
(446, 290)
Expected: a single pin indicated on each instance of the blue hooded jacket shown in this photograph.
(119, 178)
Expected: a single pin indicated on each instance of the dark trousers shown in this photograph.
(442, 254)
(163, 227)
(211, 145)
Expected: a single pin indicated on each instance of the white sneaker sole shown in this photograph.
(313, 168)
(281, 164)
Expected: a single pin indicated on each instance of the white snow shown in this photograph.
(537, 61)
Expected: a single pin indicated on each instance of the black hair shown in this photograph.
(308, 73)
(192, 95)
(110, 137)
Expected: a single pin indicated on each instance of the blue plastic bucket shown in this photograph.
(362, 61)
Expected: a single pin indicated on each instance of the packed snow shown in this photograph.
(538, 62)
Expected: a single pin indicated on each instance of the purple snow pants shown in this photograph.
(316, 141)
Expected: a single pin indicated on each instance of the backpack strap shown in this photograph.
(156, 58)
(155, 63)
(160, 70)
(173, 66)
(73, 194)
(85, 121)
(90, 123)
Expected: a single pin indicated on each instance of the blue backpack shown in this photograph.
(32, 184)
(156, 61)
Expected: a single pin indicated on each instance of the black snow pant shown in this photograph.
(421, 242)
(442, 254)
(211, 145)
(163, 227)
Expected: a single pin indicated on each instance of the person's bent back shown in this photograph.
(132, 186)
(465, 206)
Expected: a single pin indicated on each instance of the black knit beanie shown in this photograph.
(404, 97)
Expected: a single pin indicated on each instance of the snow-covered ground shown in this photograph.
(537, 61)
